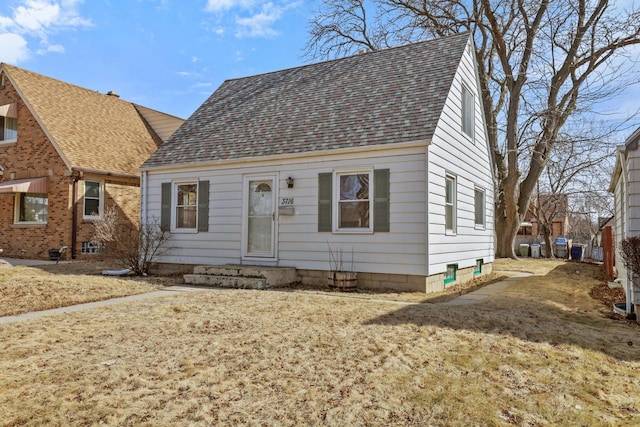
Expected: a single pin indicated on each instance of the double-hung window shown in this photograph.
(479, 205)
(450, 204)
(468, 110)
(354, 201)
(93, 199)
(31, 208)
(186, 208)
(8, 123)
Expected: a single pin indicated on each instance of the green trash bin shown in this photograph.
(524, 249)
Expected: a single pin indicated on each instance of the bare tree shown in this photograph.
(540, 62)
(130, 247)
(572, 183)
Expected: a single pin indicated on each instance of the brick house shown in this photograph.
(67, 154)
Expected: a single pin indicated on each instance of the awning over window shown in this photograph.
(29, 185)
(9, 110)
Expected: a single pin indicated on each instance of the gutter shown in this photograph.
(99, 172)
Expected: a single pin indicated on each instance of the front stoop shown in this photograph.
(242, 276)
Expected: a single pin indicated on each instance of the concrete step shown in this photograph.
(237, 282)
(275, 276)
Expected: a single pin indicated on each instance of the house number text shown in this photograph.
(286, 201)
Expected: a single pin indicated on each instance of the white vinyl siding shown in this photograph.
(401, 251)
(451, 152)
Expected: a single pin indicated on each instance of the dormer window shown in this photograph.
(468, 112)
(8, 123)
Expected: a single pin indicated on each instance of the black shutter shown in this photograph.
(324, 201)
(203, 205)
(165, 207)
(381, 200)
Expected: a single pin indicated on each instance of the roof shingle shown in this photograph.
(94, 131)
(383, 97)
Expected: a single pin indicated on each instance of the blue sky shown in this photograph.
(171, 55)
(168, 55)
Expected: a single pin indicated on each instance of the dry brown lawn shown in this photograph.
(540, 353)
(25, 289)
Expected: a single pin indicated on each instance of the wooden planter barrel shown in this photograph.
(344, 281)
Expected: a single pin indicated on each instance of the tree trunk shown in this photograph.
(506, 231)
(547, 241)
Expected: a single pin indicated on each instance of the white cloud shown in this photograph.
(224, 5)
(260, 24)
(36, 15)
(13, 48)
(36, 21)
(251, 18)
(54, 48)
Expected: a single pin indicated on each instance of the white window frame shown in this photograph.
(100, 200)
(468, 101)
(336, 202)
(16, 217)
(89, 248)
(174, 207)
(3, 130)
(452, 203)
(480, 225)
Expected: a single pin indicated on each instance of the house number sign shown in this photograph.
(286, 201)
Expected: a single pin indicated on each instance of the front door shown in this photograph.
(260, 216)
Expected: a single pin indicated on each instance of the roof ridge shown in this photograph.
(40, 75)
(372, 52)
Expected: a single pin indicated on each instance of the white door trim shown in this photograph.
(260, 256)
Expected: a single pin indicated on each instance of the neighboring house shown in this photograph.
(382, 155)
(553, 207)
(66, 155)
(625, 186)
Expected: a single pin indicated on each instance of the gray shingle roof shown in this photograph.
(383, 97)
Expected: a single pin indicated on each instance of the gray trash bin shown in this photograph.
(524, 249)
(535, 250)
(562, 247)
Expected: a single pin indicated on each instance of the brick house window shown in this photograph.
(89, 248)
(8, 129)
(31, 208)
(93, 199)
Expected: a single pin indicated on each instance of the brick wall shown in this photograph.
(121, 194)
(34, 156)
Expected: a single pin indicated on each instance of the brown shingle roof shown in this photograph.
(93, 131)
(383, 97)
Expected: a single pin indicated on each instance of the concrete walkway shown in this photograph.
(466, 299)
(96, 304)
(487, 291)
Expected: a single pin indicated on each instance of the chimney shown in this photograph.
(112, 93)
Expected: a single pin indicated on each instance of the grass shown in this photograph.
(25, 289)
(540, 353)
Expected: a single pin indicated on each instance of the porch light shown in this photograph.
(289, 182)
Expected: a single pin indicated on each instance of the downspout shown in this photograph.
(74, 216)
(427, 269)
(143, 201)
(625, 218)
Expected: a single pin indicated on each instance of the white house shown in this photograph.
(625, 186)
(383, 155)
